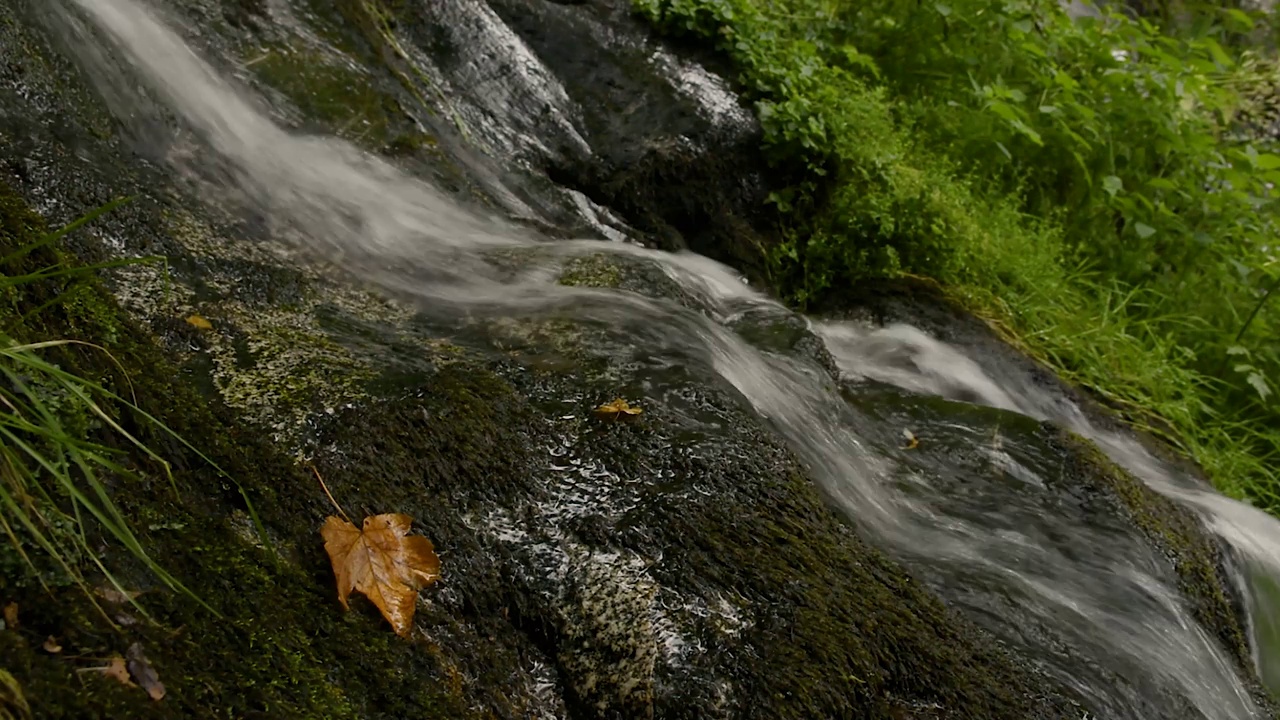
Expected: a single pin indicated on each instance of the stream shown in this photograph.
(1074, 593)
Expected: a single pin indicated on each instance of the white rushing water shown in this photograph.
(395, 232)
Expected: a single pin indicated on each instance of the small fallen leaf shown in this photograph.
(383, 562)
(10, 613)
(619, 408)
(912, 441)
(51, 645)
(143, 673)
(199, 322)
(116, 668)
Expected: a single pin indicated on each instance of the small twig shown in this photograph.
(326, 492)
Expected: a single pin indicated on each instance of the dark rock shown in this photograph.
(680, 566)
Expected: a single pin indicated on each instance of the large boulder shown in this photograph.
(681, 565)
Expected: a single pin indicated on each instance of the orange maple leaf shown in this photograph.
(618, 408)
(382, 561)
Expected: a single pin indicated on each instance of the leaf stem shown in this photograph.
(330, 495)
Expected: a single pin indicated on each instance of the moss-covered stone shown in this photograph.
(734, 526)
(340, 97)
(620, 271)
(833, 629)
(278, 642)
(1178, 533)
(599, 270)
(681, 565)
(1018, 477)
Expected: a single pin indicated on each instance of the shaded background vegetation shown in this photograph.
(1098, 187)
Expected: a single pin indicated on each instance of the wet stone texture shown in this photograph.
(689, 579)
(678, 566)
(1061, 514)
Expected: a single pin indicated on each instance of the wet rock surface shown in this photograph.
(1035, 484)
(678, 566)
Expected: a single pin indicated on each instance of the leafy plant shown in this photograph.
(1090, 185)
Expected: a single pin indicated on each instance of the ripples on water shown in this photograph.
(397, 233)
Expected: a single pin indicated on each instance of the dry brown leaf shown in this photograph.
(382, 561)
(619, 408)
(143, 673)
(199, 322)
(117, 669)
(912, 441)
(115, 597)
(51, 645)
(10, 613)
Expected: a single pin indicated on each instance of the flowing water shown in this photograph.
(1095, 594)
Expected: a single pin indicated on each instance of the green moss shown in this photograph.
(282, 647)
(341, 96)
(285, 372)
(809, 658)
(278, 347)
(87, 312)
(24, 564)
(1178, 533)
(323, 91)
(598, 270)
(378, 21)
(624, 272)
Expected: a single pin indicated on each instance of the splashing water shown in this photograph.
(935, 368)
(392, 231)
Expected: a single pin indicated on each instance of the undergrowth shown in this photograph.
(56, 476)
(1088, 184)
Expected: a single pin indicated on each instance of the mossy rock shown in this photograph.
(693, 539)
(1198, 559)
(681, 565)
(277, 644)
(1084, 519)
(599, 271)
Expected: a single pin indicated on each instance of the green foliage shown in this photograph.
(52, 478)
(1089, 184)
(13, 705)
(56, 475)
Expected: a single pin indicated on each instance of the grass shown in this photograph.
(13, 704)
(1089, 187)
(51, 477)
(1111, 340)
(57, 477)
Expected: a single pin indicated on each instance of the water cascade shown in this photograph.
(998, 549)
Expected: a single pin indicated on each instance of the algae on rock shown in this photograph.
(683, 566)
